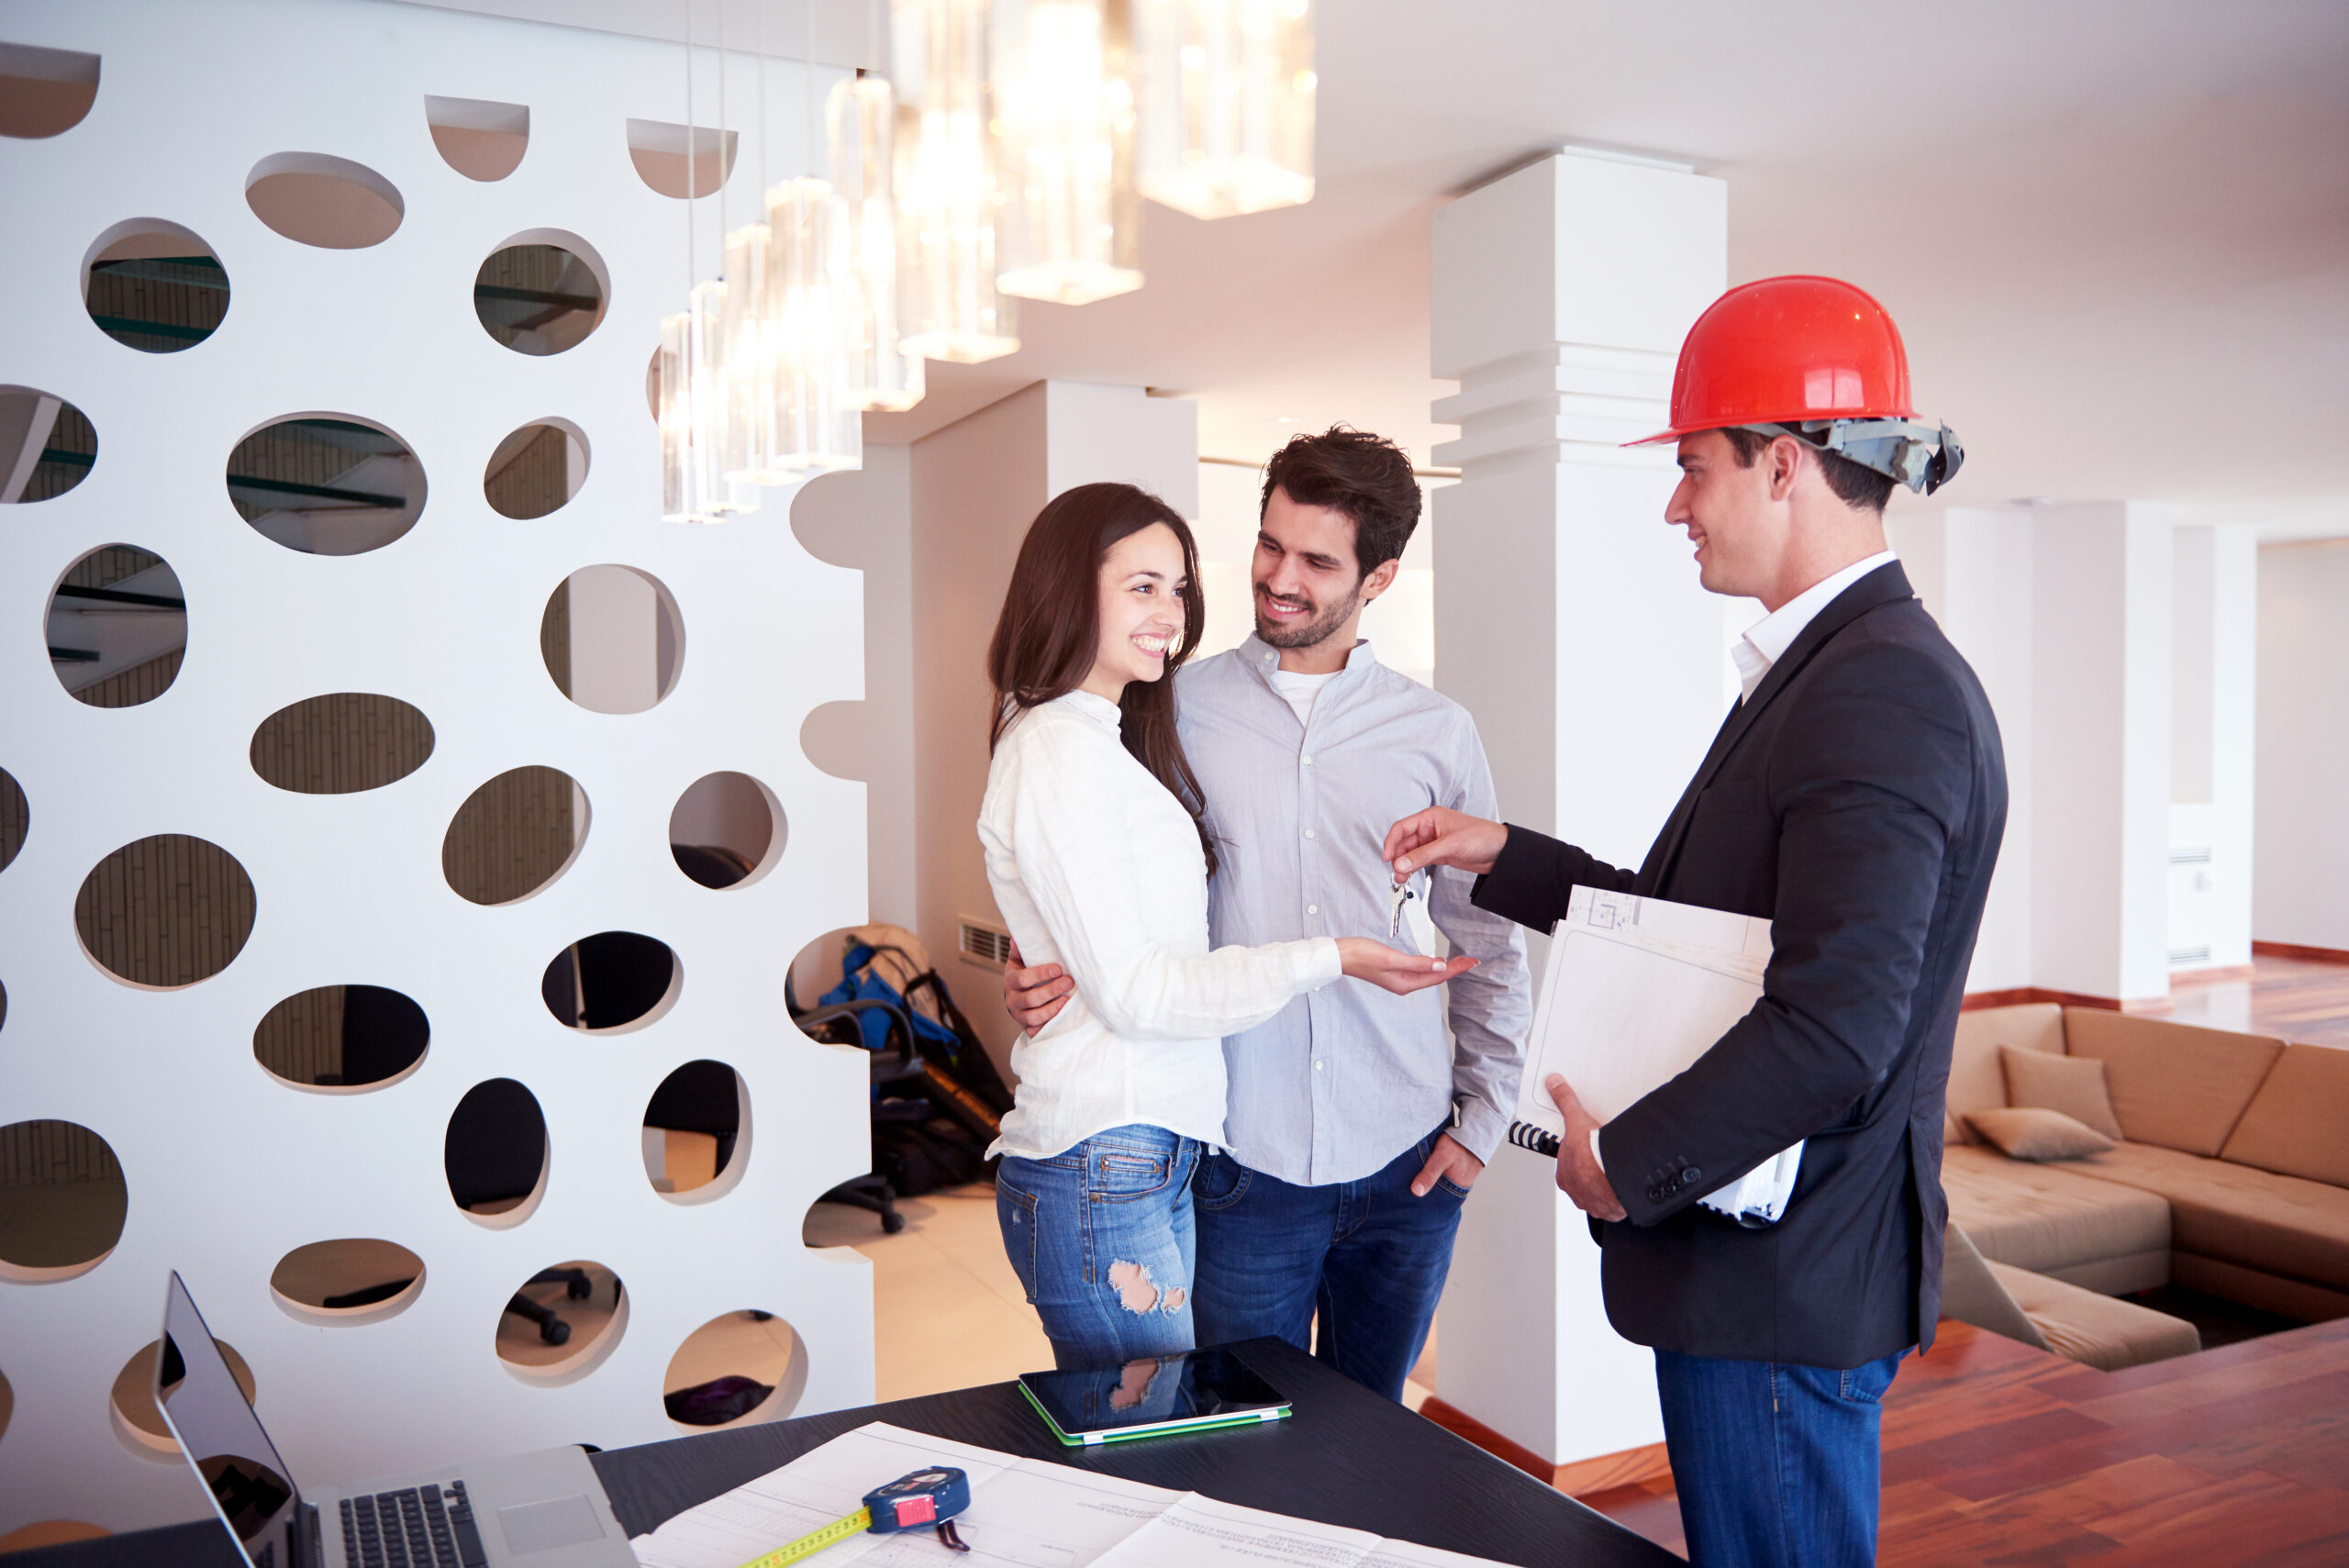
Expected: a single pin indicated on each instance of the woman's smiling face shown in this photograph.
(1140, 586)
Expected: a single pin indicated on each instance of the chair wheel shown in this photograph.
(555, 1332)
(579, 1288)
(892, 1223)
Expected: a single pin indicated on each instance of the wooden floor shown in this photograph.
(1996, 1452)
(2296, 998)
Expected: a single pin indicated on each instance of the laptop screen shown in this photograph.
(221, 1438)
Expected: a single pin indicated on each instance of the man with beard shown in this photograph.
(1356, 1125)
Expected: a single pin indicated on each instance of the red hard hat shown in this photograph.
(1780, 350)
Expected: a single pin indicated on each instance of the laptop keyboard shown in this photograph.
(422, 1526)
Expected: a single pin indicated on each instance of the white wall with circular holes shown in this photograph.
(230, 120)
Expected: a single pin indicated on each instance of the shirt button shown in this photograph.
(1309, 761)
(1313, 908)
(1309, 832)
(1317, 1067)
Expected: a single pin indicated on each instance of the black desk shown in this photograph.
(1346, 1457)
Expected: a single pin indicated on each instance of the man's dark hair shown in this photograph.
(1854, 484)
(1368, 478)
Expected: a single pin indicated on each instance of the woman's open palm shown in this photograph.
(1401, 973)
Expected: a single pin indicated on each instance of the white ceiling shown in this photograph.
(2114, 232)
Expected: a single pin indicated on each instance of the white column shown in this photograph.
(2213, 657)
(2303, 768)
(1974, 569)
(2100, 793)
(976, 485)
(1570, 622)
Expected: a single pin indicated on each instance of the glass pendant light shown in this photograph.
(860, 118)
(752, 440)
(820, 427)
(692, 406)
(1071, 228)
(1227, 104)
(946, 184)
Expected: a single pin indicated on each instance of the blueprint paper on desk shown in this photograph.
(1637, 990)
(1024, 1513)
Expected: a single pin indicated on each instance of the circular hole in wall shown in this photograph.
(562, 1322)
(325, 201)
(537, 469)
(479, 138)
(341, 743)
(514, 835)
(348, 1281)
(342, 1036)
(612, 980)
(63, 1204)
(57, 436)
(696, 1130)
(326, 483)
(132, 1397)
(15, 817)
(726, 830)
(118, 626)
(681, 161)
(153, 286)
(737, 1368)
(613, 638)
(496, 1153)
(44, 92)
(165, 911)
(540, 293)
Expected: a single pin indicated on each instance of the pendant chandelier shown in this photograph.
(946, 184)
(1226, 100)
(1007, 158)
(1072, 218)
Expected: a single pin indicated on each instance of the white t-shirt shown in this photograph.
(1299, 690)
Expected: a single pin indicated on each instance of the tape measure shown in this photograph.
(920, 1500)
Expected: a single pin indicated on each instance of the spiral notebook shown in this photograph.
(1637, 990)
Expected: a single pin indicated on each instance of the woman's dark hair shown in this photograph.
(1050, 631)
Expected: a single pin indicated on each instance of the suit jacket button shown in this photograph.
(1655, 1194)
(1695, 1174)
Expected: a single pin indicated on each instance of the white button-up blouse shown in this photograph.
(1097, 868)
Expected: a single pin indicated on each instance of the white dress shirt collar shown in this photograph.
(1766, 641)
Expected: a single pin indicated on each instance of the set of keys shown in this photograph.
(1405, 891)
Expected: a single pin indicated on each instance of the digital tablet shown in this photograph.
(1188, 1393)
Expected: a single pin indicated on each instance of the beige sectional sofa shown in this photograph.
(2231, 1176)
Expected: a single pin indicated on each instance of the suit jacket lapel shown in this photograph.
(1887, 584)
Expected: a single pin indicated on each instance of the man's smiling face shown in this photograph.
(1307, 588)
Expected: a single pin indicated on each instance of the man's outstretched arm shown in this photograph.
(1520, 874)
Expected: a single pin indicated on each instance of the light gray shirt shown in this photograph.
(1342, 1081)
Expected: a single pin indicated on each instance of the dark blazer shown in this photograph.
(1857, 800)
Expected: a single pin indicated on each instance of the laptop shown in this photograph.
(536, 1510)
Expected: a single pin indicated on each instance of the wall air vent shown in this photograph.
(2178, 956)
(2180, 857)
(983, 942)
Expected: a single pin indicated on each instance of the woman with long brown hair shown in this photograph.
(1100, 859)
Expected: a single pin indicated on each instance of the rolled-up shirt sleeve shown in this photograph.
(1491, 1006)
(1074, 854)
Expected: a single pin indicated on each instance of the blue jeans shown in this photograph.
(1366, 1255)
(1100, 1236)
(1775, 1464)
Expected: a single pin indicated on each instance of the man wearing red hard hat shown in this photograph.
(1854, 797)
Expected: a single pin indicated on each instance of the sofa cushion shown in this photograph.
(2035, 1133)
(1975, 1080)
(2298, 1124)
(2281, 1225)
(2172, 1085)
(2071, 1084)
(2049, 1216)
(2096, 1330)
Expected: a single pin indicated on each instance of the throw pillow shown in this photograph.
(2072, 1085)
(2033, 1133)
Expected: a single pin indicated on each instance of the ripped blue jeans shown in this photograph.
(1101, 1238)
